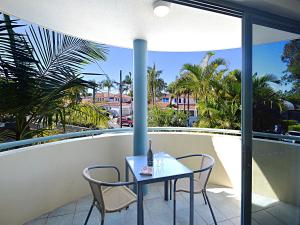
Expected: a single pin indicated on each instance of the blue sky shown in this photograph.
(169, 62)
(266, 60)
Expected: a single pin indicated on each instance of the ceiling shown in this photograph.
(286, 8)
(119, 22)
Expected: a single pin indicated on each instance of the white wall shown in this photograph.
(38, 179)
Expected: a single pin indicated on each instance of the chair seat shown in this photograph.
(117, 198)
(183, 185)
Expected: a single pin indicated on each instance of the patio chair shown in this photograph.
(108, 197)
(200, 181)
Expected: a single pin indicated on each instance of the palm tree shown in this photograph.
(128, 87)
(171, 89)
(109, 84)
(198, 80)
(37, 71)
(266, 101)
(184, 89)
(155, 84)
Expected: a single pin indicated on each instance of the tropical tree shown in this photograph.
(291, 57)
(38, 70)
(171, 89)
(184, 89)
(199, 80)
(267, 103)
(166, 118)
(109, 84)
(127, 84)
(155, 84)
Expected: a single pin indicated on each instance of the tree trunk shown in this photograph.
(171, 99)
(184, 103)
(177, 104)
(152, 90)
(188, 105)
(108, 91)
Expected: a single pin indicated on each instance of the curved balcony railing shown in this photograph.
(40, 140)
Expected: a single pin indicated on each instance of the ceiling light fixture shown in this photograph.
(161, 8)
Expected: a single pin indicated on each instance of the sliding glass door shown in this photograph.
(276, 126)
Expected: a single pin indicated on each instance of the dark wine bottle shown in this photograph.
(149, 155)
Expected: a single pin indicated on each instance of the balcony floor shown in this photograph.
(159, 212)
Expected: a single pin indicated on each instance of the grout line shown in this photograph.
(252, 218)
(75, 211)
(275, 217)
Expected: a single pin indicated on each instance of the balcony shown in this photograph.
(45, 182)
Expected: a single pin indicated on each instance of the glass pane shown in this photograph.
(276, 115)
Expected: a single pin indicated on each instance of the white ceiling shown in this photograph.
(118, 22)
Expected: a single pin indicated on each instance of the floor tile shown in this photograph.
(60, 220)
(265, 218)
(64, 210)
(183, 217)
(286, 213)
(84, 203)
(37, 222)
(204, 212)
(157, 211)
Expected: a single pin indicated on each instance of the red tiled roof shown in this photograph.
(111, 95)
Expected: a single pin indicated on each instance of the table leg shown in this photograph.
(166, 190)
(192, 199)
(140, 206)
(126, 171)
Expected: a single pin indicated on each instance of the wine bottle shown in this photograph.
(149, 155)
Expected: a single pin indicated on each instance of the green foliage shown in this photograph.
(158, 117)
(87, 115)
(291, 57)
(109, 84)
(155, 84)
(267, 103)
(286, 123)
(40, 76)
(294, 127)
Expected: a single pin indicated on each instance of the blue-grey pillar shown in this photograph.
(246, 203)
(140, 137)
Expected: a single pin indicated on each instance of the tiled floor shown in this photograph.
(159, 212)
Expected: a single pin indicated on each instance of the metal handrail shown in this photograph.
(22, 143)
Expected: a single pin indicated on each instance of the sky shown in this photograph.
(266, 60)
(169, 62)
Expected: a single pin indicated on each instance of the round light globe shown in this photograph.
(161, 8)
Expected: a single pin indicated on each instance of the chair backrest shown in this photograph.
(207, 163)
(96, 187)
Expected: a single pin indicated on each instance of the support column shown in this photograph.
(140, 110)
(246, 197)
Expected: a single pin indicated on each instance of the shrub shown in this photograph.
(294, 127)
(166, 118)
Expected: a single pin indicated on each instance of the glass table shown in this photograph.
(168, 169)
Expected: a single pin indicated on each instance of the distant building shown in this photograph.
(164, 102)
(112, 102)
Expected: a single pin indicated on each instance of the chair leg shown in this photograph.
(210, 208)
(102, 218)
(90, 211)
(171, 190)
(205, 202)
